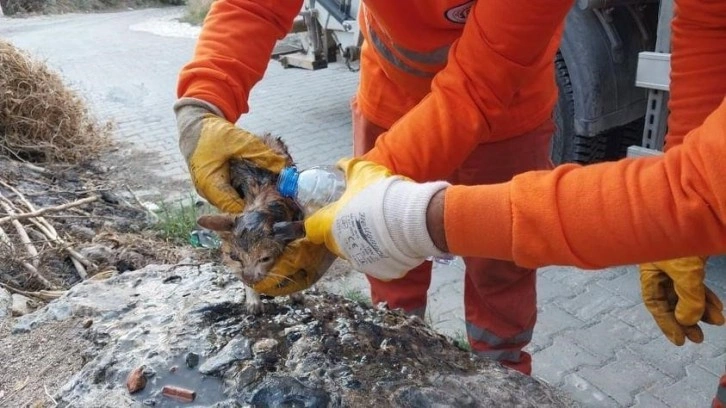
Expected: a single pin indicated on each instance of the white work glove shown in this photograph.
(379, 224)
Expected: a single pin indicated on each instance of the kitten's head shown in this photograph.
(251, 244)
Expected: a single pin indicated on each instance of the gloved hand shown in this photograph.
(379, 224)
(207, 141)
(301, 265)
(674, 293)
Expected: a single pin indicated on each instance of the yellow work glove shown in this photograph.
(674, 293)
(208, 141)
(379, 224)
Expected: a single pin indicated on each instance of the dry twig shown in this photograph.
(31, 267)
(37, 169)
(77, 259)
(5, 239)
(41, 294)
(47, 228)
(55, 403)
(42, 211)
(154, 217)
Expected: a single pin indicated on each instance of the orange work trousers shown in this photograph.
(500, 298)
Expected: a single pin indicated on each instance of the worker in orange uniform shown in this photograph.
(462, 92)
(433, 82)
(630, 211)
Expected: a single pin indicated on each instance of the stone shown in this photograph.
(136, 380)
(129, 260)
(237, 349)
(21, 305)
(6, 303)
(99, 254)
(191, 359)
(264, 346)
(81, 231)
(326, 351)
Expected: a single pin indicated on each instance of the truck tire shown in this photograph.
(620, 138)
(568, 147)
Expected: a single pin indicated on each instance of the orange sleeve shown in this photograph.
(629, 211)
(624, 212)
(698, 65)
(502, 44)
(233, 51)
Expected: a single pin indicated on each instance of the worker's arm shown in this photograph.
(698, 65)
(623, 212)
(502, 44)
(231, 56)
(595, 216)
(233, 51)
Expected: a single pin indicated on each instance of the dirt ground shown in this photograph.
(37, 363)
(45, 358)
(115, 220)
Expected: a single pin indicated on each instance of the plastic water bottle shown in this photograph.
(312, 188)
(318, 186)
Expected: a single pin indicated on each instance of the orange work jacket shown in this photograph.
(444, 75)
(625, 212)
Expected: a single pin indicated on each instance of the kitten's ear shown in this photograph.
(217, 222)
(288, 231)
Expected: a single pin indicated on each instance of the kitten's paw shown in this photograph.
(253, 302)
(254, 306)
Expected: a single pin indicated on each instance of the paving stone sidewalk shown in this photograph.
(594, 338)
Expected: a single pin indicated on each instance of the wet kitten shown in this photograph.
(253, 240)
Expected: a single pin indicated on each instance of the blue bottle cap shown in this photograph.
(287, 183)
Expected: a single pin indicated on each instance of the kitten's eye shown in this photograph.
(266, 259)
(234, 257)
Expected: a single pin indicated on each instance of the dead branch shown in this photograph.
(5, 239)
(24, 238)
(52, 234)
(80, 212)
(41, 294)
(35, 168)
(42, 211)
(79, 268)
(47, 228)
(55, 403)
(32, 268)
(77, 259)
(154, 217)
(108, 273)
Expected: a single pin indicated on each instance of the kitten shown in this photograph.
(253, 240)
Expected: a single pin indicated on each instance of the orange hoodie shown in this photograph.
(450, 73)
(626, 212)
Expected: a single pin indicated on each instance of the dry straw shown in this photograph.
(41, 119)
